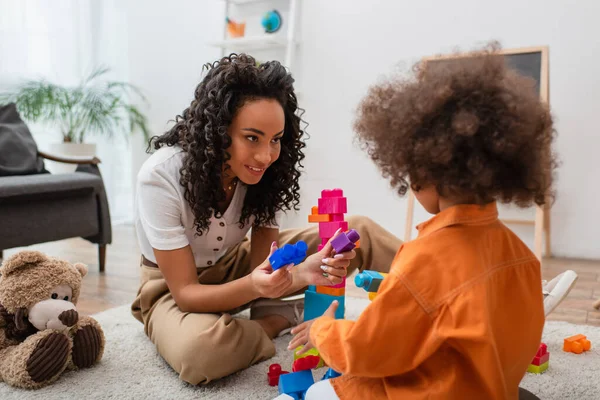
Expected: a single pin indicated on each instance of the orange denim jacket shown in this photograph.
(460, 316)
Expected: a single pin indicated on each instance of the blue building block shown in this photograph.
(369, 280)
(330, 374)
(296, 384)
(288, 254)
(315, 305)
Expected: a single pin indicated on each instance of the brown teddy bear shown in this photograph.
(41, 333)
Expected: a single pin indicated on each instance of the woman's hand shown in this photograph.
(325, 268)
(302, 332)
(268, 283)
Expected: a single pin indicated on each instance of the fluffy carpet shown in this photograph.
(131, 368)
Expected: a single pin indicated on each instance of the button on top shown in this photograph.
(219, 238)
(209, 262)
(215, 249)
(221, 223)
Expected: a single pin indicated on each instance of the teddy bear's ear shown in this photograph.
(21, 260)
(82, 268)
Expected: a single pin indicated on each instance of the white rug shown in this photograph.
(131, 368)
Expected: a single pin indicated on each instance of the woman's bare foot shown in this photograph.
(273, 324)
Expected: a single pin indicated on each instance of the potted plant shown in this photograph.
(94, 107)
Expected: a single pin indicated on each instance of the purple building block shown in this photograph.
(288, 254)
(345, 241)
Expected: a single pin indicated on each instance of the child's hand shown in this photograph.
(302, 332)
(324, 268)
(268, 283)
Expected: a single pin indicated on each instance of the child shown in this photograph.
(460, 315)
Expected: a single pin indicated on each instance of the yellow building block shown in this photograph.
(538, 369)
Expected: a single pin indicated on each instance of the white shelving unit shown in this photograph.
(265, 41)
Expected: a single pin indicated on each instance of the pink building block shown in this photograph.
(337, 192)
(336, 217)
(333, 205)
(327, 229)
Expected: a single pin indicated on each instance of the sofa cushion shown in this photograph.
(18, 150)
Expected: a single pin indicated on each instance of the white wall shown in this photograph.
(347, 45)
(167, 48)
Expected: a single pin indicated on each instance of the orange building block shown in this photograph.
(331, 290)
(316, 217)
(577, 344)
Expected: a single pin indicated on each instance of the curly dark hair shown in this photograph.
(201, 131)
(469, 125)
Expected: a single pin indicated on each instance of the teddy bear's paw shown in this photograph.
(87, 346)
(49, 358)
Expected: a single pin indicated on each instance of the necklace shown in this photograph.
(232, 185)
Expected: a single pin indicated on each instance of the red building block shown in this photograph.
(305, 363)
(274, 373)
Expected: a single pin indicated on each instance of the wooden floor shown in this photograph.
(119, 284)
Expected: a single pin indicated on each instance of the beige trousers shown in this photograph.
(203, 347)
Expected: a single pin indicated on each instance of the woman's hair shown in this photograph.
(468, 125)
(201, 131)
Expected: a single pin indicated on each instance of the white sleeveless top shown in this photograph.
(165, 221)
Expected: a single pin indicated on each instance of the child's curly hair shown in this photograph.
(472, 127)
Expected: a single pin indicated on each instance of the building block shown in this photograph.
(542, 356)
(296, 383)
(369, 280)
(316, 217)
(577, 344)
(331, 291)
(337, 192)
(311, 352)
(288, 254)
(306, 363)
(372, 295)
(274, 373)
(333, 205)
(538, 369)
(327, 229)
(315, 305)
(345, 241)
(330, 374)
(336, 217)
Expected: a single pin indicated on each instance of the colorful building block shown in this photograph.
(331, 291)
(274, 373)
(288, 254)
(315, 305)
(577, 344)
(311, 352)
(327, 229)
(345, 241)
(306, 363)
(333, 205)
(542, 356)
(316, 217)
(342, 284)
(330, 374)
(538, 369)
(296, 384)
(369, 280)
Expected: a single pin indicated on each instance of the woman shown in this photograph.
(231, 164)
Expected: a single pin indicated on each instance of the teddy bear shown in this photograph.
(41, 333)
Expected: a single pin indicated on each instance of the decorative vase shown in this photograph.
(68, 150)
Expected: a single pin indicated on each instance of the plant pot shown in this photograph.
(69, 150)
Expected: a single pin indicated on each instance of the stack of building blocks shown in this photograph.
(370, 282)
(296, 384)
(288, 254)
(329, 214)
(541, 360)
(577, 344)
